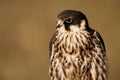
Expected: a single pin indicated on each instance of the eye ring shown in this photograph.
(68, 20)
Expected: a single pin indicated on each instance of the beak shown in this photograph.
(59, 24)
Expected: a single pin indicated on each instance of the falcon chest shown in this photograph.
(68, 54)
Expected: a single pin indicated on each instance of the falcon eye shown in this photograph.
(68, 20)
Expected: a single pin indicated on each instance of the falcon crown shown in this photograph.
(71, 17)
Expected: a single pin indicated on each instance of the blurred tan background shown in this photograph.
(27, 25)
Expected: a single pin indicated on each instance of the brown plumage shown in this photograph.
(77, 52)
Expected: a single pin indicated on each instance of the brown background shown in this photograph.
(27, 25)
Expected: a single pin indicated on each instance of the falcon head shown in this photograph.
(71, 20)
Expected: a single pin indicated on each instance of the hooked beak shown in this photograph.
(59, 24)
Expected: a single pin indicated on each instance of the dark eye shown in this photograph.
(68, 20)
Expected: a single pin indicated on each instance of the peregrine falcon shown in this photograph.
(77, 52)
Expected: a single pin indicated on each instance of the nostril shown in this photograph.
(58, 25)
